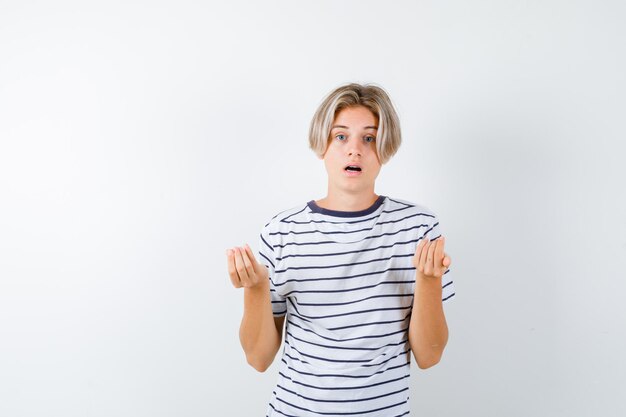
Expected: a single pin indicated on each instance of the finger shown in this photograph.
(241, 267)
(430, 259)
(439, 268)
(252, 258)
(424, 254)
(446, 260)
(418, 254)
(248, 263)
(438, 256)
(232, 272)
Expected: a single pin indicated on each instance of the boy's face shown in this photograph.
(352, 141)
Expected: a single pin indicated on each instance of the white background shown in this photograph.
(139, 140)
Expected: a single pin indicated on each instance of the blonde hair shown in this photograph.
(370, 96)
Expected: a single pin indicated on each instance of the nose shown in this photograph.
(356, 148)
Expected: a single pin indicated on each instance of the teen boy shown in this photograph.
(360, 278)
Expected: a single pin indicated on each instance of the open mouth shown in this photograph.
(352, 168)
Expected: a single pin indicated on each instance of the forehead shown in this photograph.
(356, 116)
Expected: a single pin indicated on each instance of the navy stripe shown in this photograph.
(355, 301)
(367, 237)
(294, 358)
(293, 381)
(344, 375)
(352, 289)
(364, 220)
(267, 259)
(387, 360)
(405, 218)
(329, 222)
(406, 204)
(313, 207)
(293, 232)
(403, 208)
(349, 289)
(328, 359)
(267, 244)
(337, 413)
(340, 265)
(365, 361)
(307, 232)
(318, 400)
(348, 313)
(345, 348)
(371, 323)
(278, 411)
(450, 296)
(293, 214)
(377, 336)
(291, 415)
(301, 318)
(412, 268)
(306, 255)
(353, 221)
(350, 339)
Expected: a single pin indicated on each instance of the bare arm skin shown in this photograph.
(260, 333)
(428, 331)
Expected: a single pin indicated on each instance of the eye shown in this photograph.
(369, 139)
(339, 136)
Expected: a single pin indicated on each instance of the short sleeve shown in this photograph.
(447, 284)
(268, 258)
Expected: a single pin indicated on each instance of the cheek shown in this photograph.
(331, 155)
(374, 153)
(329, 161)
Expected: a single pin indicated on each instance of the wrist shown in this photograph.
(261, 286)
(428, 279)
(425, 283)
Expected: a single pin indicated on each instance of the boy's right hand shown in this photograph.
(244, 270)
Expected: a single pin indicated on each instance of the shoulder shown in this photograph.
(397, 204)
(283, 217)
(416, 215)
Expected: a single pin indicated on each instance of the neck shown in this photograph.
(345, 201)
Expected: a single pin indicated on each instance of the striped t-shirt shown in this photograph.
(345, 281)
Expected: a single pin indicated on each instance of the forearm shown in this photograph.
(428, 331)
(258, 335)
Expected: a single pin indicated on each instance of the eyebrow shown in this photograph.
(346, 127)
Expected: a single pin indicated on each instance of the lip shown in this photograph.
(353, 173)
(353, 164)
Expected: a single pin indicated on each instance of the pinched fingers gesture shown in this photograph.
(243, 268)
(430, 260)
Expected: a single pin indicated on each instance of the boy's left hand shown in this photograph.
(430, 260)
